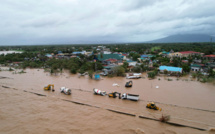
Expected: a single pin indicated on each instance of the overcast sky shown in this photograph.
(27, 22)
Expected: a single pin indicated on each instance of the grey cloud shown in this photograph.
(138, 4)
(73, 21)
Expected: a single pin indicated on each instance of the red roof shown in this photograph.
(189, 52)
(185, 61)
(210, 56)
(112, 60)
(124, 54)
(201, 65)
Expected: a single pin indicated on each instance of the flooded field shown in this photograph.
(22, 110)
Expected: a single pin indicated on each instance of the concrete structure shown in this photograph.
(197, 67)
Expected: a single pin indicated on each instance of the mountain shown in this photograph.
(184, 38)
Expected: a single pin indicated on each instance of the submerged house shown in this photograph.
(170, 69)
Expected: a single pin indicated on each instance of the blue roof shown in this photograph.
(76, 52)
(144, 56)
(169, 68)
(48, 55)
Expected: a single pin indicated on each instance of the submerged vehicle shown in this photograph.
(129, 84)
(65, 90)
(152, 105)
(114, 95)
(130, 97)
(97, 91)
(49, 87)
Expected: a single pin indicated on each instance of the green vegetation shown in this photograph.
(151, 74)
(118, 71)
(90, 72)
(169, 79)
(155, 48)
(10, 69)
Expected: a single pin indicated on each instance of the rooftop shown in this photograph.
(170, 68)
(197, 65)
(189, 52)
(211, 56)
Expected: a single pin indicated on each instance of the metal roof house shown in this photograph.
(107, 59)
(197, 67)
(170, 69)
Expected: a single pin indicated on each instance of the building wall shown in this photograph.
(176, 54)
(195, 69)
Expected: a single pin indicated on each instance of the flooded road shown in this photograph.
(187, 102)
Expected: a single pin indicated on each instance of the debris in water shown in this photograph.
(115, 84)
(139, 131)
(164, 118)
(211, 130)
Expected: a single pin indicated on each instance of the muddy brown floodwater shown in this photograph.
(26, 108)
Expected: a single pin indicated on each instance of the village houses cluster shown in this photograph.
(112, 59)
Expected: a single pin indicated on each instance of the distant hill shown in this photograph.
(184, 38)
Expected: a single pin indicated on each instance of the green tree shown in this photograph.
(118, 71)
(194, 75)
(211, 73)
(151, 75)
(97, 66)
(155, 65)
(90, 72)
(125, 66)
(135, 56)
(165, 71)
(73, 70)
(186, 68)
(137, 69)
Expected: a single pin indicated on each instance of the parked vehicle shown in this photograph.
(130, 97)
(65, 90)
(97, 91)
